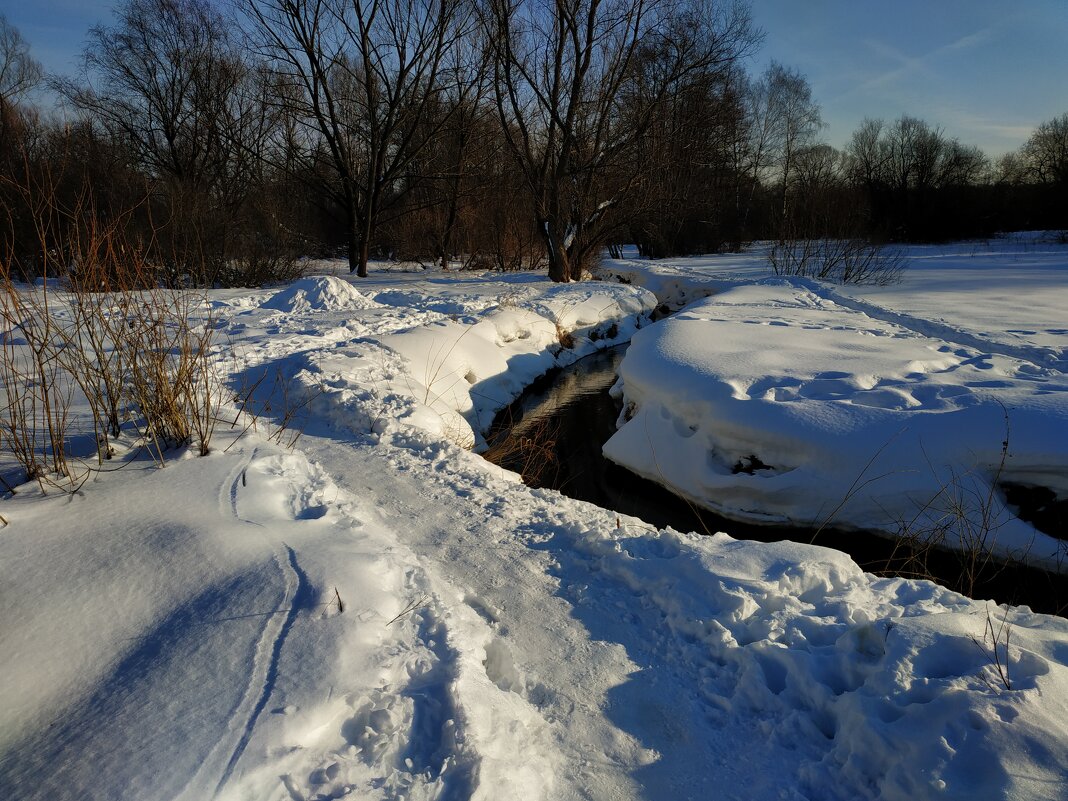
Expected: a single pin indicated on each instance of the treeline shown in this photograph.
(496, 133)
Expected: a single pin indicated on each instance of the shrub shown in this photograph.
(843, 261)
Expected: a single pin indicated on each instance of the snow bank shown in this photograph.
(784, 400)
(452, 376)
(890, 688)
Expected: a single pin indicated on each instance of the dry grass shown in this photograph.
(962, 517)
(531, 451)
(99, 328)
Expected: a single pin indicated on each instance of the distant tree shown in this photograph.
(917, 182)
(362, 80)
(818, 167)
(578, 83)
(19, 72)
(1010, 169)
(782, 120)
(1045, 160)
(798, 122)
(173, 85)
(866, 153)
(1046, 152)
(962, 165)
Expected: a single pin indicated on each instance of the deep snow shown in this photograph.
(175, 632)
(860, 407)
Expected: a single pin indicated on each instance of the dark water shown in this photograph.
(553, 436)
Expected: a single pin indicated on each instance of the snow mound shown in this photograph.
(450, 377)
(775, 401)
(319, 293)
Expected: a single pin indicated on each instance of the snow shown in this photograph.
(175, 632)
(860, 407)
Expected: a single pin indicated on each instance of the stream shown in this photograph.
(553, 434)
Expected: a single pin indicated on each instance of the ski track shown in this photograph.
(427, 752)
(301, 598)
(263, 674)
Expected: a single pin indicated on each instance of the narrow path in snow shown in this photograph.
(537, 603)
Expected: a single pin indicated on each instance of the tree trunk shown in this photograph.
(559, 266)
(364, 251)
(359, 248)
(445, 240)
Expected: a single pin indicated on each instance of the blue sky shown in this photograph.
(986, 71)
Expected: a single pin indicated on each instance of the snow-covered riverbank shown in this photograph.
(177, 632)
(901, 408)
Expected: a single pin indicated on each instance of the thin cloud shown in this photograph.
(1010, 131)
(909, 65)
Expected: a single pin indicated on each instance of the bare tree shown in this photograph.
(689, 195)
(918, 182)
(165, 70)
(799, 122)
(962, 165)
(173, 85)
(19, 72)
(362, 77)
(1046, 152)
(578, 82)
(782, 120)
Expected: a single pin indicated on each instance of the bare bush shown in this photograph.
(995, 647)
(277, 405)
(36, 390)
(171, 381)
(111, 336)
(843, 261)
(962, 516)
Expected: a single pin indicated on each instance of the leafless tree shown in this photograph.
(578, 82)
(165, 71)
(173, 85)
(1046, 152)
(962, 165)
(19, 72)
(688, 195)
(782, 120)
(914, 176)
(361, 77)
(799, 122)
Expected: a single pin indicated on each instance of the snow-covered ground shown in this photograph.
(376, 612)
(898, 408)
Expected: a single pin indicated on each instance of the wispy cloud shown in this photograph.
(997, 134)
(967, 42)
(907, 66)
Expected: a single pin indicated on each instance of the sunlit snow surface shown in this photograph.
(879, 407)
(175, 633)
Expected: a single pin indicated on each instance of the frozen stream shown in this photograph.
(571, 414)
